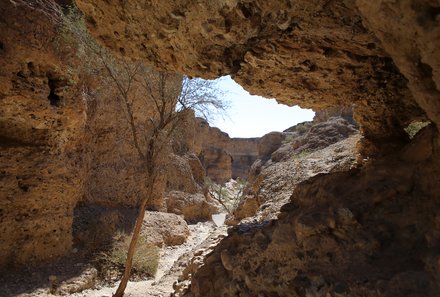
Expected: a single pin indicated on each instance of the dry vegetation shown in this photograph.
(145, 261)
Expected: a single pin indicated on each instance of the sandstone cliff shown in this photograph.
(224, 157)
(42, 126)
(369, 231)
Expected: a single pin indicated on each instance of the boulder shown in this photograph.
(193, 207)
(162, 228)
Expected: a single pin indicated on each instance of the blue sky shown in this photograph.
(254, 116)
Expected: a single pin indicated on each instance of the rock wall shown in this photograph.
(368, 231)
(224, 157)
(409, 32)
(379, 56)
(244, 152)
(308, 149)
(43, 157)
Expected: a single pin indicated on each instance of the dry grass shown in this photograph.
(145, 261)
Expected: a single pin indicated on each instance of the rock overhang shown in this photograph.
(314, 54)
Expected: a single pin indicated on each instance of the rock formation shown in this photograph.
(308, 149)
(244, 151)
(164, 228)
(66, 145)
(224, 157)
(315, 54)
(43, 117)
(367, 231)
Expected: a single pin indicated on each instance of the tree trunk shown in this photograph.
(132, 247)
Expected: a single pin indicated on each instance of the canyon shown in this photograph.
(327, 211)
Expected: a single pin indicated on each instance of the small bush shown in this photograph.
(302, 128)
(302, 154)
(415, 127)
(145, 261)
(288, 139)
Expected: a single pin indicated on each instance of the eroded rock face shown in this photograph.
(224, 157)
(66, 139)
(43, 159)
(367, 231)
(409, 31)
(315, 54)
(244, 151)
(307, 149)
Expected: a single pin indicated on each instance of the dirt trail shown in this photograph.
(168, 270)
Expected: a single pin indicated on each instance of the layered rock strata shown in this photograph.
(223, 157)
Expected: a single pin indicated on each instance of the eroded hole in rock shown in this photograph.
(21, 74)
(428, 17)
(23, 187)
(2, 46)
(54, 99)
(328, 51)
(425, 70)
(371, 45)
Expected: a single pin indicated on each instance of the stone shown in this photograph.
(164, 228)
(305, 150)
(86, 280)
(193, 207)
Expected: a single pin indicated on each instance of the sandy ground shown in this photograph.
(162, 285)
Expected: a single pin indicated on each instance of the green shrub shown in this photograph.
(145, 261)
(415, 127)
(229, 195)
(288, 139)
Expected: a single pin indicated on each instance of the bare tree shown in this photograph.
(228, 197)
(169, 97)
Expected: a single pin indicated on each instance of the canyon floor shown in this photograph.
(171, 263)
(169, 267)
